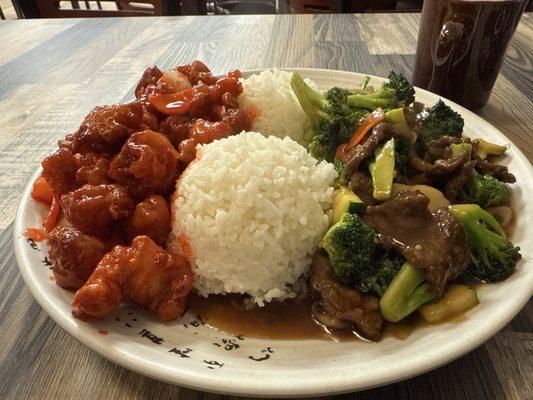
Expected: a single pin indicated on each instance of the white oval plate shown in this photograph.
(190, 354)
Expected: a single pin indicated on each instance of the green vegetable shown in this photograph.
(396, 118)
(346, 201)
(404, 90)
(460, 148)
(386, 267)
(402, 152)
(364, 82)
(382, 171)
(350, 245)
(492, 256)
(484, 190)
(340, 167)
(440, 120)
(393, 93)
(384, 98)
(458, 298)
(333, 119)
(487, 148)
(405, 294)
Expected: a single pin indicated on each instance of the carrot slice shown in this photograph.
(35, 234)
(172, 103)
(341, 151)
(53, 215)
(371, 120)
(42, 191)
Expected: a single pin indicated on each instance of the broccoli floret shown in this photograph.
(402, 151)
(350, 244)
(332, 118)
(407, 291)
(384, 98)
(440, 120)
(405, 92)
(386, 267)
(340, 167)
(485, 191)
(492, 256)
(397, 91)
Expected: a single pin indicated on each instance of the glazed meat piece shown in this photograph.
(201, 133)
(150, 218)
(380, 133)
(92, 169)
(176, 128)
(149, 80)
(74, 256)
(440, 167)
(180, 129)
(59, 170)
(106, 128)
(197, 71)
(500, 172)
(204, 97)
(341, 306)
(455, 184)
(438, 148)
(238, 120)
(95, 209)
(434, 241)
(67, 143)
(361, 185)
(147, 164)
(143, 273)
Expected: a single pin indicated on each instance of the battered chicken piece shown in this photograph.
(147, 164)
(239, 120)
(92, 169)
(176, 128)
(148, 83)
(143, 273)
(74, 256)
(202, 132)
(59, 170)
(151, 218)
(197, 71)
(341, 306)
(106, 128)
(95, 209)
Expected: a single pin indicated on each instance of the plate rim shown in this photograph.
(214, 384)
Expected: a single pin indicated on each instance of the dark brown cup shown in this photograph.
(461, 47)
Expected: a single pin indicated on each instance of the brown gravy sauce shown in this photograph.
(291, 319)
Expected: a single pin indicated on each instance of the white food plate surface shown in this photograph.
(188, 353)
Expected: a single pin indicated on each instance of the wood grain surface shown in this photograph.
(52, 72)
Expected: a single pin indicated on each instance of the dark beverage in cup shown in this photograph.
(461, 47)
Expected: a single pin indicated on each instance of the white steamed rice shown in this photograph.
(270, 96)
(253, 210)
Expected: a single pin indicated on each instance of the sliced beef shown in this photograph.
(380, 133)
(434, 241)
(438, 148)
(341, 306)
(456, 183)
(500, 172)
(439, 167)
(361, 185)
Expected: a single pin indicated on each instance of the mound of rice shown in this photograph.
(252, 210)
(278, 112)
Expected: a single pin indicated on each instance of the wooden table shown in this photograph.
(52, 72)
